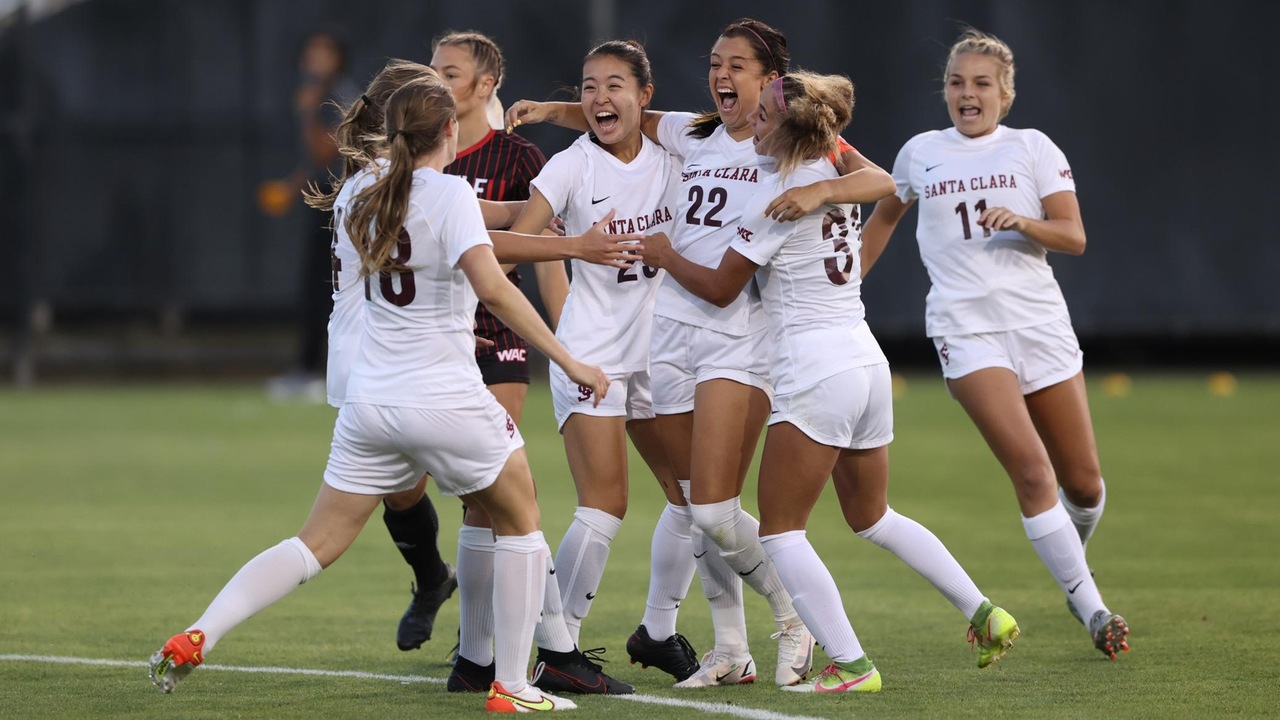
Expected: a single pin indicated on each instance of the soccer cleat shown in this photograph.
(175, 661)
(574, 672)
(469, 677)
(795, 654)
(860, 675)
(419, 619)
(718, 668)
(992, 631)
(674, 655)
(530, 699)
(1110, 633)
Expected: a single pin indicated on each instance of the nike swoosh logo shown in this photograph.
(1072, 591)
(552, 572)
(729, 672)
(757, 567)
(698, 556)
(805, 664)
(597, 202)
(591, 596)
(541, 705)
(930, 167)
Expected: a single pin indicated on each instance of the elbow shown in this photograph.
(1077, 245)
(721, 298)
(885, 186)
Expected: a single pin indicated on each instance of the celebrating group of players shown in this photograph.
(717, 263)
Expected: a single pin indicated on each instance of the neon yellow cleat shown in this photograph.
(992, 631)
(860, 675)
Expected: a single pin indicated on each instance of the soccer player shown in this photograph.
(425, 257)
(710, 370)
(832, 411)
(608, 313)
(994, 201)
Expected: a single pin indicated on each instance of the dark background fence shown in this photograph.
(135, 133)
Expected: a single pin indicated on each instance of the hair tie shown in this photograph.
(365, 99)
(778, 95)
(766, 47)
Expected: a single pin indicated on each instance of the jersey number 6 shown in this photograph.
(835, 228)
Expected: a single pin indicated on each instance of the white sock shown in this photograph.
(551, 632)
(519, 578)
(723, 589)
(1056, 542)
(738, 536)
(923, 552)
(580, 563)
(814, 593)
(671, 568)
(269, 576)
(1085, 519)
(475, 588)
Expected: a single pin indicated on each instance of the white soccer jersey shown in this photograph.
(607, 317)
(418, 347)
(346, 321)
(718, 176)
(983, 281)
(810, 284)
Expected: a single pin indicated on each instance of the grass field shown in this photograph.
(123, 510)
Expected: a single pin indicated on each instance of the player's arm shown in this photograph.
(510, 306)
(879, 227)
(719, 286)
(498, 215)
(569, 115)
(1062, 230)
(524, 242)
(860, 181)
(553, 287)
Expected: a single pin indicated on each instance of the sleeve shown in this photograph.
(462, 227)
(902, 170)
(1052, 172)
(673, 133)
(558, 178)
(529, 162)
(758, 237)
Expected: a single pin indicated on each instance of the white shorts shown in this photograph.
(852, 409)
(1039, 356)
(681, 356)
(378, 450)
(629, 396)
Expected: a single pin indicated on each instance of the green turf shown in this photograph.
(123, 510)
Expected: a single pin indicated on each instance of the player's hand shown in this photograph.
(796, 203)
(599, 247)
(999, 218)
(527, 112)
(483, 342)
(556, 226)
(653, 249)
(589, 376)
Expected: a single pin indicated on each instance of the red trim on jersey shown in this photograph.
(477, 146)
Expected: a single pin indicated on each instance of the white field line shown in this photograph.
(706, 707)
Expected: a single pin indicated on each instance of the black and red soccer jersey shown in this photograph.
(500, 168)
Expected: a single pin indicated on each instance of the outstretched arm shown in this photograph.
(861, 181)
(569, 115)
(719, 286)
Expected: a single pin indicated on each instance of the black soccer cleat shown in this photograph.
(574, 672)
(469, 677)
(674, 655)
(419, 619)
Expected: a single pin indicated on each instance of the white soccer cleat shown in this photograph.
(717, 669)
(795, 654)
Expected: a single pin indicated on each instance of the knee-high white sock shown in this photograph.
(738, 536)
(723, 589)
(1085, 519)
(551, 633)
(580, 563)
(814, 593)
(475, 588)
(519, 579)
(671, 568)
(269, 576)
(1058, 545)
(923, 552)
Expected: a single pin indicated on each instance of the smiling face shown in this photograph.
(456, 66)
(736, 78)
(767, 117)
(612, 99)
(975, 99)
